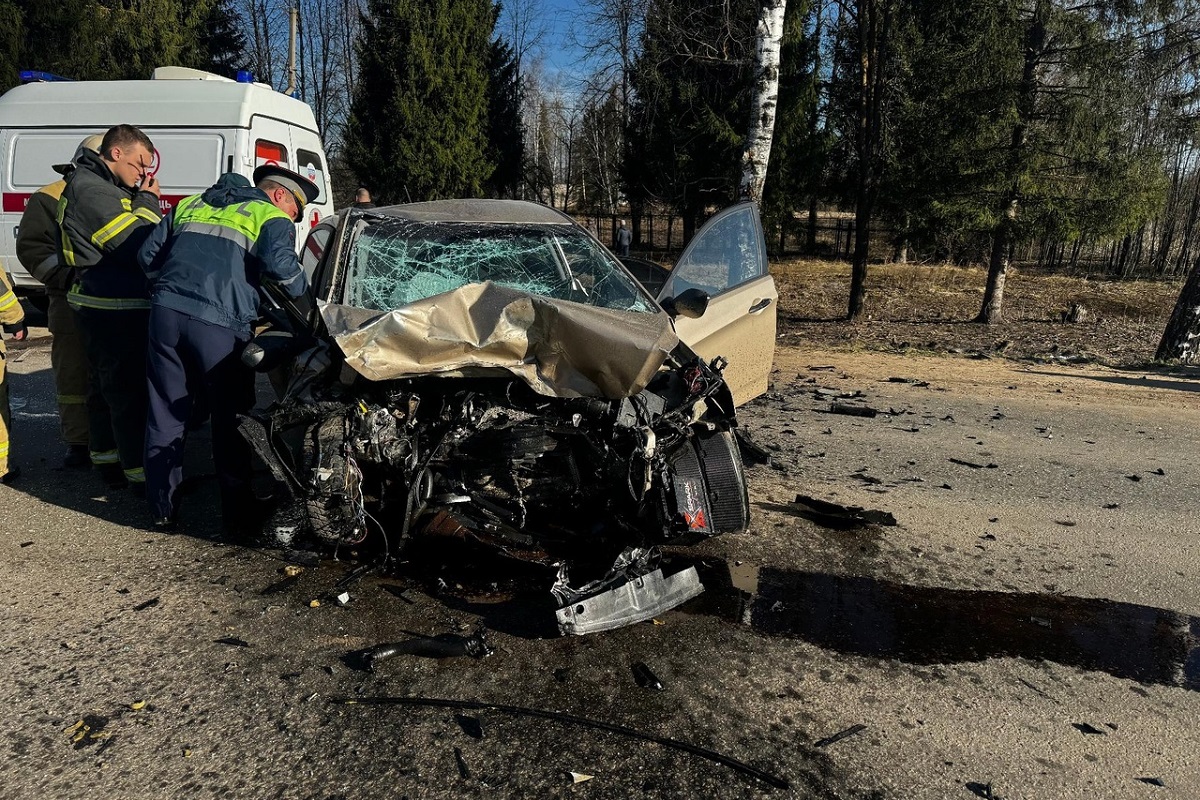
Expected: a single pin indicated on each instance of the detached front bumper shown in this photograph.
(637, 600)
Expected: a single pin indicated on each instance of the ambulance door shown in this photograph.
(271, 144)
(310, 162)
(186, 162)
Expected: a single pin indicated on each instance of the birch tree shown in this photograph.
(764, 98)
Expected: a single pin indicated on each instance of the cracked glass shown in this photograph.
(397, 262)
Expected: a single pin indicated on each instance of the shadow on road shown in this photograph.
(927, 625)
(1183, 383)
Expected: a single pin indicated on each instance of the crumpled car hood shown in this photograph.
(559, 348)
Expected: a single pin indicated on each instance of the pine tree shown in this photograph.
(418, 124)
(506, 135)
(688, 118)
(104, 40)
(12, 31)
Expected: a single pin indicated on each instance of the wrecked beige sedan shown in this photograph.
(486, 371)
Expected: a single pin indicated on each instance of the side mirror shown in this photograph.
(268, 350)
(690, 303)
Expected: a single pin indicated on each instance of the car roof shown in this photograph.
(478, 211)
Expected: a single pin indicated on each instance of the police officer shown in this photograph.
(207, 260)
(12, 317)
(108, 208)
(37, 250)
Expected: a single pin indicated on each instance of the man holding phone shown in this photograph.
(107, 210)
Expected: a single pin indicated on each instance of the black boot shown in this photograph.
(76, 457)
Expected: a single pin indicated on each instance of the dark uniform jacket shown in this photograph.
(38, 239)
(102, 226)
(212, 252)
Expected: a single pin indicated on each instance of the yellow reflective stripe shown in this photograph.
(126, 204)
(3, 449)
(59, 215)
(78, 299)
(7, 300)
(147, 214)
(135, 475)
(112, 229)
(71, 399)
(105, 457)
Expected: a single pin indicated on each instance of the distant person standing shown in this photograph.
(37, 249)
(108, 208)
(12, 317)
(362, 198)
(623, 239)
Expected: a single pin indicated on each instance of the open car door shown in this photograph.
(727, 260)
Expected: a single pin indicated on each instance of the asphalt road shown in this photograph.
(1027, 630)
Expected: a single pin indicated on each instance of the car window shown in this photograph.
(728, 251)
(314, 248)
(310, 167)
(396, 262)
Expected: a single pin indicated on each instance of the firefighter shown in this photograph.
(12, 317)
(207, 260)
(108, 208)
(37, 250)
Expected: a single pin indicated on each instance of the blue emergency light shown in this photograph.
(245, 76)
(37, 76)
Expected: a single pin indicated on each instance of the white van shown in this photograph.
(202, 125)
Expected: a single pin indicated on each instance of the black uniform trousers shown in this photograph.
(185, 356)
(115, 342)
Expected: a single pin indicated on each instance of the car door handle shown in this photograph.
(760, 305)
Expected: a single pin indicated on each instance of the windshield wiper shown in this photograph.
(566, 265)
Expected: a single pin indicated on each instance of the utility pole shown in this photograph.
(293, 25)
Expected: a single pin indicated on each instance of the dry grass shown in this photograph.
(931, 308)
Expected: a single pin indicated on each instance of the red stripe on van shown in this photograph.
(15, 202)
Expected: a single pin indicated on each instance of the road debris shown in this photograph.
(447, 645)
(1152, 781)
(558, 716)
(292, 570)
(471, 726)
(983, 790)
(463, 770)
(579, 777)
(972, 464)
(232, 641)
(834, 515)
(645, 678)
(1135, 478)
(1087, 729)
(849, 409)
(151, 603)
(343, 599)
(138, 706)
(25, 544)
(853, 730)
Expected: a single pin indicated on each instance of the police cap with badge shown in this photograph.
(304, 190)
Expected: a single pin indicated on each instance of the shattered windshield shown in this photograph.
(397, 262)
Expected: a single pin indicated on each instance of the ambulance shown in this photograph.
(202, 125)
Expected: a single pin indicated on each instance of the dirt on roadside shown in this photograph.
(930, 308)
